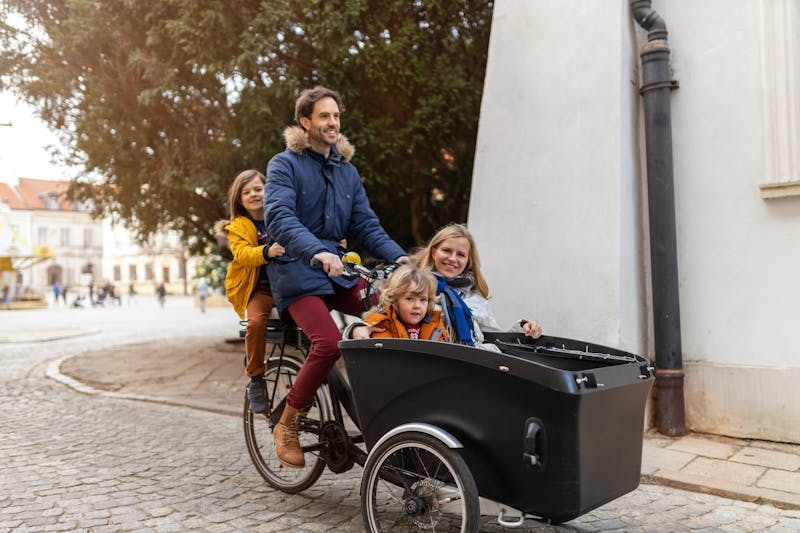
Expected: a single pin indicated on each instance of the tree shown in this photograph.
(213, 267)
(163, 102)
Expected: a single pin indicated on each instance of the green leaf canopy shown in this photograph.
(163, 102)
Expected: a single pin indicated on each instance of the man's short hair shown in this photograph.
(304, 105)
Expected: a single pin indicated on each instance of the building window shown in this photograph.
(42, 234)
(87, 237)
(84, 206)
(132, 272)
(779, 41)
(50, 200)
(165, 271)
(117, 272)
(64, 236)
(148, 272)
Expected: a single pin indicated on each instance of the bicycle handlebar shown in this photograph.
(354, 270)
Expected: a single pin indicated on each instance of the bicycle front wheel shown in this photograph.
(414, 482)
(279, 377)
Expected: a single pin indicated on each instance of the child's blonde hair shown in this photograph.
(409, 279)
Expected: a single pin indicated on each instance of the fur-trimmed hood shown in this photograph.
(297, 141)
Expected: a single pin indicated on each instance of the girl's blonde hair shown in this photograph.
(408, 279)
(424, 258)
(235, 206)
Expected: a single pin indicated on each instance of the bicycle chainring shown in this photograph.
(336, 451)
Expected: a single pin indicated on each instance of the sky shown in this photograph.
(22, 145)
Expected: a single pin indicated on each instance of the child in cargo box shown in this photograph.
(406, 308)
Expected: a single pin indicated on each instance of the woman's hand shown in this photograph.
(364, 332)
(276, 250)
(532, 329)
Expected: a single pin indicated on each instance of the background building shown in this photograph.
(560, 155)
(82, 251)
(163, 258)
(42, 218)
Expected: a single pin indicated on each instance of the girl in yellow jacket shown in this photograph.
(246, 283)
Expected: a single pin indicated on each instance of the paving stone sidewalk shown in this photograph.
(92, 460)
(207, 373)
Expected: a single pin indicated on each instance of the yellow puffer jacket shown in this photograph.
(248, 256)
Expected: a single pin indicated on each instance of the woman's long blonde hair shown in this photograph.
(424, 258)
(235, 206)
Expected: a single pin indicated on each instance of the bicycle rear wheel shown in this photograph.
(279, 378)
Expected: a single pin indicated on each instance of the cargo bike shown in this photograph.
(546, 428)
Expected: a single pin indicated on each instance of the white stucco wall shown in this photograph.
(558, 208)
(738, 252)
(555, 199)
(740, 294)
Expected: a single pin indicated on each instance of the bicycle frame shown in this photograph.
(328, 441)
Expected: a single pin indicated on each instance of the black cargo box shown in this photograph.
(553, 428)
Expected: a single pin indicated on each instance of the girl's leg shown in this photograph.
(312, 315)
(258, 310)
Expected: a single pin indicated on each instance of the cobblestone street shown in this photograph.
(74, 461)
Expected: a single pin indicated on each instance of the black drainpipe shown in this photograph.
(656, 87)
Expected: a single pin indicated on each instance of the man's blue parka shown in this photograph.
(310, 204)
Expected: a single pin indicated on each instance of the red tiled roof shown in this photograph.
(34, 193)
(9, 197)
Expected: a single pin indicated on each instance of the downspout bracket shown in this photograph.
(671, 85)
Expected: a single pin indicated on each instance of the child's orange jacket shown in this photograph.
(432, 329)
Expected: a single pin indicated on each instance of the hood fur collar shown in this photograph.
(297, 141)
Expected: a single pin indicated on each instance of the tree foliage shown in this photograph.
(213, 267)
(163, 102)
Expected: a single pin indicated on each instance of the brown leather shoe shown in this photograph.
(287, 445)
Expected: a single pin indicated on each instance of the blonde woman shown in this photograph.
(463, 293)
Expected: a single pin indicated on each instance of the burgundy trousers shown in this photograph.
(312, 314)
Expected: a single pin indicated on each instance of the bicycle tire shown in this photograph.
(414, 482)
(279, 377)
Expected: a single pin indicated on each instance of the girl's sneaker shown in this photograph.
(257, 396)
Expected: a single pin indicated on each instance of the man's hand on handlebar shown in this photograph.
(330, 263)
(403, 260)
(336, 266)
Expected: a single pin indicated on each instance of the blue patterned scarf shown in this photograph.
(459, 313)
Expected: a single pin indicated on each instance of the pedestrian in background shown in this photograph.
(5, 296)
(161, 292)
(56, 293)
(202, 293)
(131, 294)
